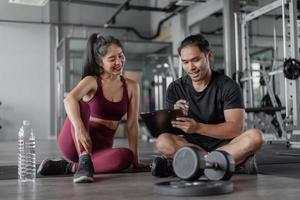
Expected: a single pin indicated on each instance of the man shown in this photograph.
(215, 111)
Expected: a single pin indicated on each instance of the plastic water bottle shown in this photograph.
(26, 153)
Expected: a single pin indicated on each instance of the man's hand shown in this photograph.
(83, 138)
(188, 125)
(183, 105)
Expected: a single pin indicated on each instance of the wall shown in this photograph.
(24, 69)
(24, 78)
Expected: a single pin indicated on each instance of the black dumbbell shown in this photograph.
(190, 163)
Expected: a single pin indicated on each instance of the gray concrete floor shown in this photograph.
(131, 186)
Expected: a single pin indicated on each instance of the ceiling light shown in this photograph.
(29, 2)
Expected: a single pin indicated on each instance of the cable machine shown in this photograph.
(290, 124)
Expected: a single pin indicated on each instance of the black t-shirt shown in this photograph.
(207, 106)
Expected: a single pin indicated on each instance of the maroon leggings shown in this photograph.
(104, 157)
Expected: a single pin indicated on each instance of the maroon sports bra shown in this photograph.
(102, 108)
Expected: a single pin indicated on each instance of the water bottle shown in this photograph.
(26, 153)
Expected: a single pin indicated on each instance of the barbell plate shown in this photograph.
(291, 68)
(193, 188)
(231, 168)
(226, 165)
(188, 163)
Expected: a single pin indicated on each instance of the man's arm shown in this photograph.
(232, 127)
(233, 114)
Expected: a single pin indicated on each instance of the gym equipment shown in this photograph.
(190, 163)
(263, 109)
(238, 78)
(290, 125)
(267, 103)
(193, 188)
(262, 81)
(276, 124)
(291, 68)
(161, 167)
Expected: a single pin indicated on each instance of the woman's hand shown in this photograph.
(83, 138)
(140, 165)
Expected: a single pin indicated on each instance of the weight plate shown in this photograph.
(267, 102)
(231, 166)
(226, 166)
(188, 163)
(291, 68)
(193, 188)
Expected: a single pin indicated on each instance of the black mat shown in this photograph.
(278, 160)
(277, 154)
(275, 159)
(282, 170)
(11, 172)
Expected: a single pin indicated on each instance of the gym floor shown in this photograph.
(279, 178)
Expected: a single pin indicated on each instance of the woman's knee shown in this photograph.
(112, 160)
(122, 159)
(126, 156)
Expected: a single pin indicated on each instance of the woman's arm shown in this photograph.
(132, 119)
(84, 87)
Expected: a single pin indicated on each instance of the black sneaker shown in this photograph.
(54, 167)
(85, 171)
(162, 167)
(249, 166)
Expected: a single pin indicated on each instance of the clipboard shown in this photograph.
(159, 121)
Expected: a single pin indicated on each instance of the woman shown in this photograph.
(94, 108)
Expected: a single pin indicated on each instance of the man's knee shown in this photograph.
(255, 138)
(163, 140)
(165, 144)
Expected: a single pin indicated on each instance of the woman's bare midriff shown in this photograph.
(108, 123)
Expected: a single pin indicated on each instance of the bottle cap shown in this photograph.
(26, 122)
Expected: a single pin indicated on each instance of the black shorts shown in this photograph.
(207, 143)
